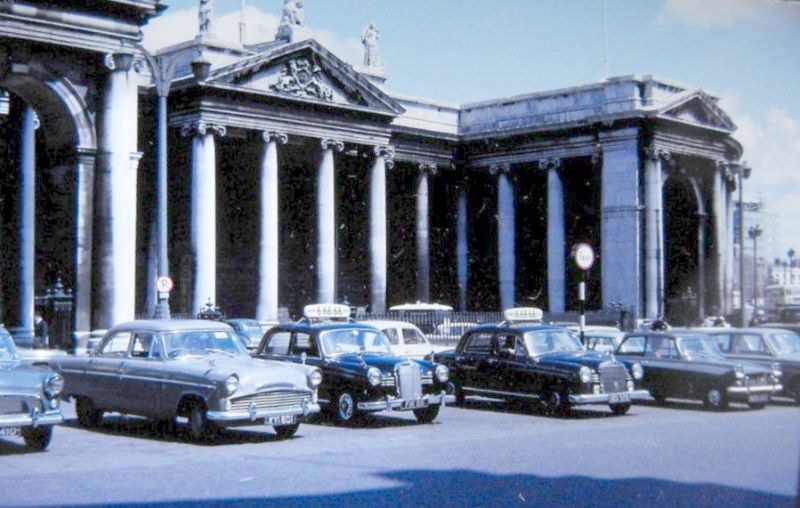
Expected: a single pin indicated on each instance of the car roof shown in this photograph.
(172, 325)
(321, 326)
(517, 327)
(388, 323)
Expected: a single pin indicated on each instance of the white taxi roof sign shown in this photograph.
(326, 311)
(524, 314)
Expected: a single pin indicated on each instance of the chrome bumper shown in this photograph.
(603, 398)
(745, 391)
(254, 415)
(34, 419)
(432, 399)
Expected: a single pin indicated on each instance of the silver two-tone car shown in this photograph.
(29, 397)
(195, 370)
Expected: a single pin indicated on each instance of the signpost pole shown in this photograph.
(583, 254)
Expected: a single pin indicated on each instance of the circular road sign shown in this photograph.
(584, 256)
(164, 284)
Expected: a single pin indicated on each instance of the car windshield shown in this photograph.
(354, 340)
(697, 345)
(7, 349)
(202, 343)
(551, 341)
(785, 343)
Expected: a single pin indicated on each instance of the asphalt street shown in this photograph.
(481, 454)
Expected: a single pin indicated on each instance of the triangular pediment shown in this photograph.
(698, 108)
(308, 72)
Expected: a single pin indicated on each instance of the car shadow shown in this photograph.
(10, 446)
(536, 409)
(379, 420)
(141, 428)
(696, 405)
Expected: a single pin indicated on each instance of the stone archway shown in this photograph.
(684, 249)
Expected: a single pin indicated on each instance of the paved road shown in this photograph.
(481, 454)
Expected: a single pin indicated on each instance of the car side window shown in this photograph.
(632, 346)
(304, 343)
(391, 334)
(278, 343)
(661, 348)
(411, 336)
(143, 345)
(116, 345)
(723, 340)
(749, 344)
(479, 343)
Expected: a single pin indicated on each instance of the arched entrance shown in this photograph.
(684, 249)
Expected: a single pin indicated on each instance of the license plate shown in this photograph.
(616, 398)
(282, 420)
(414, 404)
(10, 432)
(758, 397)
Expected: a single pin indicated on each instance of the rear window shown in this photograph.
(632, 346)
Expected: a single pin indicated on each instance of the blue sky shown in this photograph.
(459, 51)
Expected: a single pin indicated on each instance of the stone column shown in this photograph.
(462, 248)
(506, 236)
(720, 219)
(729, 241)
(654, 230)
(84, 215)
(326, 222)
(268, 272)
(204, 211)
(115, 228)
(556, 237)
(377, 227)
(423, 240)
(27, 222)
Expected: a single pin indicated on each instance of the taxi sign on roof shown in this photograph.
(524, 314)
(326, 311)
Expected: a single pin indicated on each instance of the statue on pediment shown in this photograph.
(204, 15)
(293, 13)
(370, 38)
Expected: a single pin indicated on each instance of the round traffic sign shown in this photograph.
(164, 284)
(584, 256)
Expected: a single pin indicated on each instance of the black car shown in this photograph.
(775, 348)
(359, 371)
(688, 365)
(523, 359)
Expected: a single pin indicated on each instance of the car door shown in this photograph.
(276, 345)
(666, 372)
(513, 374)
(105, 368)
(142, 374)
(472, 361)
(749, 346)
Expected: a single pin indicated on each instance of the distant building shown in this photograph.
(755, 214)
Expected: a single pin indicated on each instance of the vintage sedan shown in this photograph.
(602, 338)
(686, 364)
(776, 348)
(360, 372)
(195, 370)
(248, 330)
(406, 339)
(29, 397)
(523, 359)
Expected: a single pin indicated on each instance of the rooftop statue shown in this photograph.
(204, 15)
(292, 13)
(370, 38)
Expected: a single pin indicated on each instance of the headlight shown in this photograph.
(637, 371)
(373, 376)
(231, 385)
(586, 375)
(442, 373)
(314, 378)
(53, 386)
(777, 371)
(739, 372)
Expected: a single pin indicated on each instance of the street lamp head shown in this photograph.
(746, 171)
(754, 231)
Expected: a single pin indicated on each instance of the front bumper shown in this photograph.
(431, 399)
(745, 392)
(33, 419)
(605, 398)
(247, 417)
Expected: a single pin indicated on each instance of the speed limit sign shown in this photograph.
(164, 284)
(584, 256)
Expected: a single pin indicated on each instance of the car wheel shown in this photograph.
(88, 414)
(427, 414)
(658, 397)
(38, 438)
(716, 400)
(619, 409)
(344, 408)
(756, 405)
(286, 431)
(199, 427)
(557, 404)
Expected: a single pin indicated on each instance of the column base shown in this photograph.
(162, 310)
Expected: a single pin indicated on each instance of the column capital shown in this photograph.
(499, 169)
(332, 144)
(279, 137)
(428, 168)
(654, 153)
(201, 128)
(121, 60)
(387, 152)
(550, 163)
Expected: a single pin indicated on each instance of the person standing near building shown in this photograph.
(41, 333)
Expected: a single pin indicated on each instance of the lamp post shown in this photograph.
(754, 232)
(742, 171)
(162, 72)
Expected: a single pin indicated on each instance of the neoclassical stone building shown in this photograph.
(294, 177)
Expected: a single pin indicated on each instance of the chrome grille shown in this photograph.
(427, 379)
(278, 400)
(758, 380)
(387, 380)
(613, 378)
(409, 381)
(10, 406)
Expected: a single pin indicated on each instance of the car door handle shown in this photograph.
(491, 361)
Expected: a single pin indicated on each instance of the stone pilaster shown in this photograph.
(268, 273)
(719, 224)
(506, 236)
(204, 210)
(84, 214)
(377, 227)
(556, 237)
(27, 222)
(462, 247)
(654, 230)
(423, 240)
(326, 222)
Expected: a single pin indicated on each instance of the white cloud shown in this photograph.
(721, 13)
(181, 25)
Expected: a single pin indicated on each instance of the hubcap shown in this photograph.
(345, 406)
(714, 397)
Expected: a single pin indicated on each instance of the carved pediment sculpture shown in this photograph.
(302, 78)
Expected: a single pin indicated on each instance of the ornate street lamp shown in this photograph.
(742, 171)
(754, 232)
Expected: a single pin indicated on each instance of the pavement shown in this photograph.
(485, 453)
